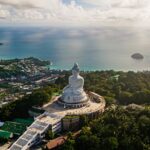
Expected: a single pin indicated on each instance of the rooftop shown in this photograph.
(50, 118)
(56, 142)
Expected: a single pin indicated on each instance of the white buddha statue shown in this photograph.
(73, 92)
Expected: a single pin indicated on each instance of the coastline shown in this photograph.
(89, 69)
(84, 68)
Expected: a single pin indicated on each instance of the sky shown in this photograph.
(75, 12)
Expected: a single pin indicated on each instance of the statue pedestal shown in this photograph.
(74, 101)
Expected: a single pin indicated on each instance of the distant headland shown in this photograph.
(1, 44)
(137, 56)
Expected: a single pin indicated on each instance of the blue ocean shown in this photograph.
(102, 48)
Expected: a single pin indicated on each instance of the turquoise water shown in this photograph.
(101, 48)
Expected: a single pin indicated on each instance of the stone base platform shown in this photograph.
(73, 105)
(96, 103)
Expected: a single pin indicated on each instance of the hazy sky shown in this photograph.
(75, 12)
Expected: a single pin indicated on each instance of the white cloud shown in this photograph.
(98, 3)
(119, 3)
(55, 12)
(25, 3)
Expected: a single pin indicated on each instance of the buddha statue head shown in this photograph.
(75, 70)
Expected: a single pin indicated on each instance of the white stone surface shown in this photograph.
(74, 93)
(93, 106)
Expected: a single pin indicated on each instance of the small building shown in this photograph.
(56, 142)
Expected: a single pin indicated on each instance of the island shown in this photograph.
(137, 56)
(1, 44)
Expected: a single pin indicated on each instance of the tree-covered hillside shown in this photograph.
(21, 107)
(124, 87)
(116, 129)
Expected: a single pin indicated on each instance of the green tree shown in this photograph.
(50, 135)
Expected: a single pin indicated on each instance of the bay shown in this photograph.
(102, 48)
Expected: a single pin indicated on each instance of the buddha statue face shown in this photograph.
(75, 73)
